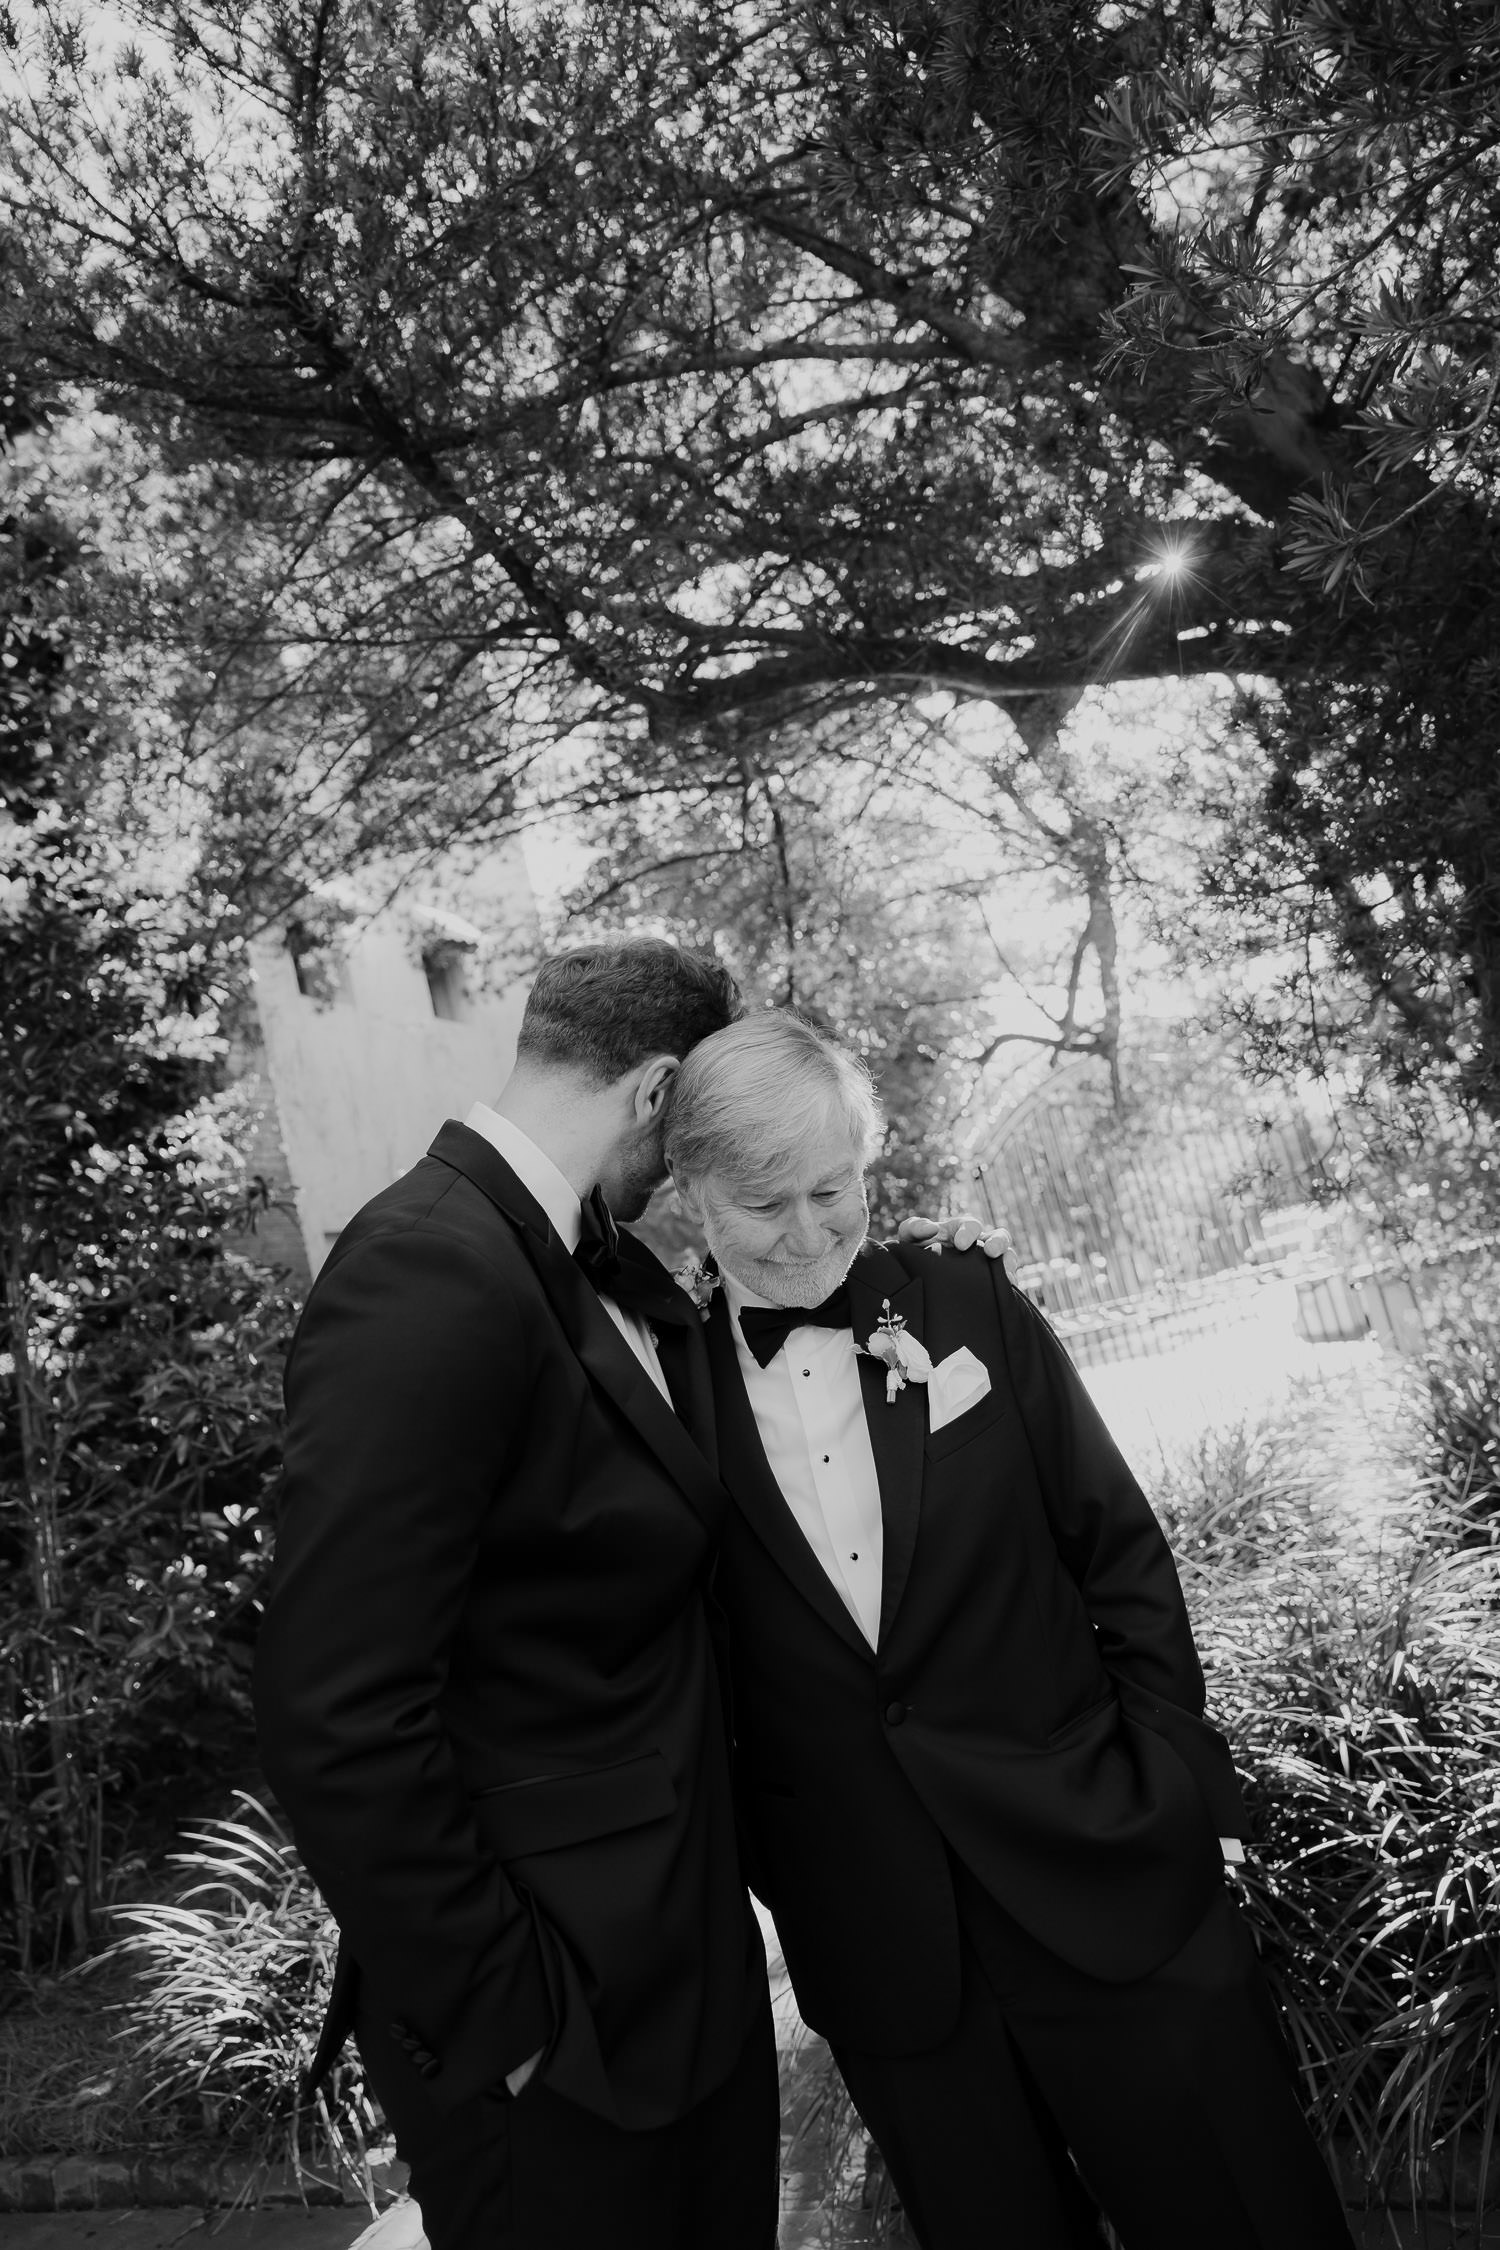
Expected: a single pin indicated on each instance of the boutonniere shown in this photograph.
(906, 1361)
(700, 1278)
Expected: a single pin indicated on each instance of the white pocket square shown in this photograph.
(955, 1384)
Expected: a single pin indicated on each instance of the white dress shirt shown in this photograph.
(809, 1407)
(536, 1172)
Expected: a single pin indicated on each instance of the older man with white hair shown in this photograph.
(976, 1786)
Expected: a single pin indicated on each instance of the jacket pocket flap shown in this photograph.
(569, 1808)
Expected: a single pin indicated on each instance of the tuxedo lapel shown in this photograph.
(678, 1328)
(600, 1347)
(898, 1426)
(747, 1475)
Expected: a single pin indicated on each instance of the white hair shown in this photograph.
(748, 1097)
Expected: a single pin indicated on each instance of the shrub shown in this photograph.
(65, 2081)
(139, 1377)
(1373, 1891)
(1235, 1498)
(230, 1981)
(1463, 1386)
(1355, 1666)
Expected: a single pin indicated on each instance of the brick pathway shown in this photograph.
(340, 2230)
(202, 2230)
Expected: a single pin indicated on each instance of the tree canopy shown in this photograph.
(656, 374)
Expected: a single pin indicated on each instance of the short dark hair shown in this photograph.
(604, 1008)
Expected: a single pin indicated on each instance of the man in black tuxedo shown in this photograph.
(485, 1684)
(976, 1786)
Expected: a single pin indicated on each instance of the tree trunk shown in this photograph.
(1091, 857)
(42, 1530)
(12, 1780)
(1038, 720)
(1481, 934)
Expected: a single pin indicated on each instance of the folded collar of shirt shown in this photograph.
(534, 1169)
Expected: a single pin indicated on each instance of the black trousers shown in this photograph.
(1174, 2095)
(538, 2173)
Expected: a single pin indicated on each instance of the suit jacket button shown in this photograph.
(894, 1714)
(427, 2064)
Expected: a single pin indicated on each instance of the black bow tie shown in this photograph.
(766, 1329)
(624, 1269)
(598, 1249)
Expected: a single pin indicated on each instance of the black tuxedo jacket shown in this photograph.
(1034, 1704)
(485, 1683)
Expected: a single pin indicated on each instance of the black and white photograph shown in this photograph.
(749, 1125)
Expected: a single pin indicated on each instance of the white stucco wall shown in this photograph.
(362, 1082)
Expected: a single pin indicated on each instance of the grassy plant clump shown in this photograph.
(1235, 1499)
(230, 1981)
(1354, 1662)
(1463, 1387)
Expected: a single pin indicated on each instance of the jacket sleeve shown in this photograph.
(403, 1392)
(1115, 1551)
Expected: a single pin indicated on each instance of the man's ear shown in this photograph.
(653, 1086)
